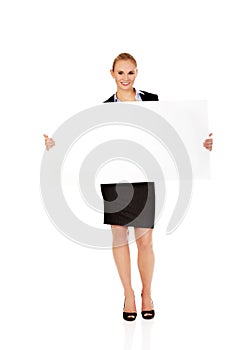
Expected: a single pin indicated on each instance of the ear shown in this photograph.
(112, 73)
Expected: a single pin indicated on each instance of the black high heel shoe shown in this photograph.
(129, 316)
(148, 314)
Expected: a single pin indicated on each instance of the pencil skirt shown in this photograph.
(129, 204)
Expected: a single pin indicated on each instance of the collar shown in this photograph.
(138, 97)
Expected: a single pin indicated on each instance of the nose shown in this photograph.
(125, 77)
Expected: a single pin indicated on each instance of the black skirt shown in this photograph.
(129, 204)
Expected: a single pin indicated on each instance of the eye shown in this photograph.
(120, 72)
(131, 72)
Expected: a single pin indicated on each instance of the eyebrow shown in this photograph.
(131, 70)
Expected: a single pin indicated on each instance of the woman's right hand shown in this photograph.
(49, 142)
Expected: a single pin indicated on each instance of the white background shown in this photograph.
(55, 61)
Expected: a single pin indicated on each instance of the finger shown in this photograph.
(46, 136)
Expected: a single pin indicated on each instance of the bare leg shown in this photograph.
(145, 263)
(121, 254)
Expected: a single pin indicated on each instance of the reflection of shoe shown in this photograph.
(148, 314)
(129, 316)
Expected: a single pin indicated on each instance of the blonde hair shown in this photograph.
(124, 56)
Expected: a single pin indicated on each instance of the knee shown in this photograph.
(119, 235)
(145, 242)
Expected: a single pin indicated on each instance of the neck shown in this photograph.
(128, 95)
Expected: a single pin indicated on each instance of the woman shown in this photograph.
(124, 71)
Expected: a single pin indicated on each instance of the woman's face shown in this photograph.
(124, 73)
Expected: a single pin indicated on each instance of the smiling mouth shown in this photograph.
(125, 84)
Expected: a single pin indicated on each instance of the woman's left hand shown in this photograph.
(208, 143)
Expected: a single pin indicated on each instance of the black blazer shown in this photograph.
(145, 96)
